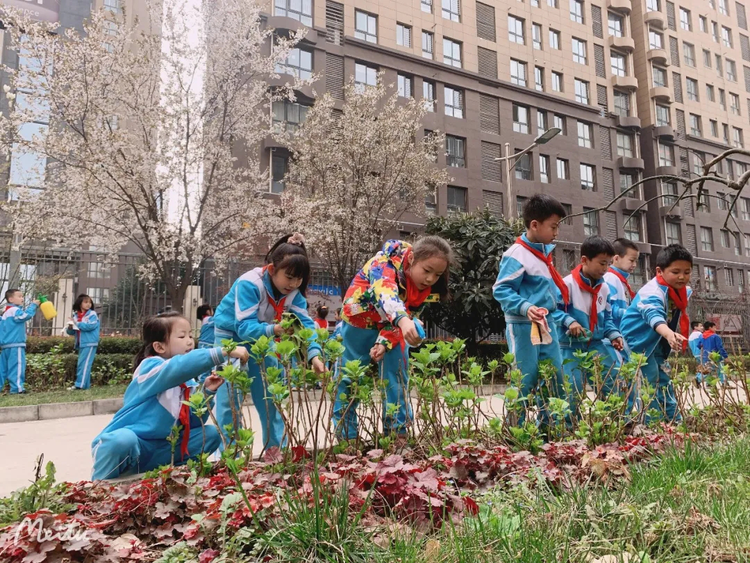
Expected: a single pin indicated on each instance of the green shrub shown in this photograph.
(57, 370)
(107, 345)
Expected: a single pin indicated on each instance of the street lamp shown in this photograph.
(542, 139)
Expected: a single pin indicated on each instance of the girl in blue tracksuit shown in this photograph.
(13, 340)
(136, 439)
(84, 325)
(253, 308)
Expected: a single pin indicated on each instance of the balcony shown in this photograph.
(628, 121)
(667, 171)
(673, 212)
(283, 23)
(630, 162)
(286, 80)
(631, 204)
(625, 82)
(661, 93)
(658, 56)
(621, 5)
(664, 132)
(622, 43)
(656, 19)
(270, 142)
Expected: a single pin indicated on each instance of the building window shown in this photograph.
(113, 6)
(633, 228)
(557, 81)
(724, 238)
(660, 77)
(627, 179)
(666, 155)
(685, 22)
(731, 69)
(622, 103)
(299, 63)
(582, 91)
(689, 53)
(520, 204)
(559, 122)
(541, 121)
(518, 72)
(544, 169)
(710, 274)
(590, 222)
(729, 277)
(706, 58)
(523, 167)
(653, 5)
(536, 36)
(745, 206)
(710, 93)
(515, 30)
(279, 166)
(672, 233)
(579, 51)
(624, 145)
(726, 36)
(585, 133)
(403, 35)
(703, 24)
(618, 64)
(738, 140)
(451, 10)
(455, 151)
(366, 26)
(704, 204)
(428, 95)
(695, 125)
(723, 101)
(747, 249)
(539, 78)
(552, 3)
(97, 270)
(365, 75)
(456, 200)
(288, 116)
(734, 104)
(295, 9)
(715, 31)
(707, 239)
(576, 11)
(669, 193)
(655, 40)
(588, 178)
(662, 116)
(692, 89)
(427, 6)
(454, 102)
(428, 45)
(719, 67)
(554, 39)
(520, 119)
(405, 86)
(451, 52)
(723, 9)
(725, 128)
(616, 24)
(563, 169)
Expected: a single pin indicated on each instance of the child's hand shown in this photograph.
(318, 366)
(409, 331)
(241, 354)
(377, 353)
(535, 314)
(36, 302)
(675, 340)
(618, 344)
(575, 329)
(279, 330)
(213, 382)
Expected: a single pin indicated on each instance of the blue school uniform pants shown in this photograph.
(610, 361)
(121, 452)
(656, 371)
(394, 369)
(13, 367)
(85, 362)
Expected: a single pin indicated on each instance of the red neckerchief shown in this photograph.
(593, 291)
(79, 315)
(624, 281)
(185, 421)
(278, 307)
(322, 323)
(680, 300)
(556, 277)
(707, 333)
(8, 307)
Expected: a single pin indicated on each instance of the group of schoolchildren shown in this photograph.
(83, 325)
(548, 318)
(703, 343)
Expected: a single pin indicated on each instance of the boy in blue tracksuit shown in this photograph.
(253, 308)
(526, 290)
(711, 342)
(13, 340)
(623, 265)
(590, 307)
(84, 325)
(656, 323)
(694, 341)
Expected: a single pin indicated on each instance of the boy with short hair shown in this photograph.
(711, 342)
(590, 307)
(657, 322)
(694, 340)
(526, 289)
(13, 340)
(623, 265)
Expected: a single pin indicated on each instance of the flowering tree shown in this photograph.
(354, 174)
(144, 127)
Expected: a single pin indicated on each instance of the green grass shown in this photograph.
(62, 396)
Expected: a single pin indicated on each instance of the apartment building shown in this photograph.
(693, 69)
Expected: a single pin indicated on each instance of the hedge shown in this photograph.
(107, 344)
(54, 371)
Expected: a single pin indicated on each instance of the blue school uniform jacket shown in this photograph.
(579, 309)
(619, 298)
(13, 327)
(206, 338)
(523, 281)
(694, 343)
(712, 343)
(152, 401)
(88, 334)
(245, 313)
(649, 309)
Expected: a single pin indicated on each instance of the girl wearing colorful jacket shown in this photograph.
(389, 290)
(84, 326)
(253, 308)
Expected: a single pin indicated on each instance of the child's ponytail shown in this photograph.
(155, 329)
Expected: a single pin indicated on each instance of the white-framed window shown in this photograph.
(627, 179)
(703, 24)
(672, 232)
(685, 21)
(707, 239)
(739, 142)
(616, 24)
(660, 76)
(557, 81)
(745, 208)
(98, 294)
(428, 45)
(518, 72)
(536, 36)
(723, 7)
(710, 93)
(691, 86)
(452, 10)
(112, 6)
(588, 177)
(655, 40)
(576, 11)
(695, 125)
(403, 35)
(663, 115)
(559, 122)
(554, 39)
(714, 128)
(734, 104)
(633, 228)
(715, 31)
(666, 155)
(731, 69)
(539, 78)
(405, 86)
(710, 274)
(516, 30)
(426, 6)
(669, 192)
(719, 67)
(451, 52)
(618, 63)
(541, 121)
(688, 52)
(585, 133)
(520, 119)
(707, 58)
(300, 10)
(653, 5)
(288, 116)
(279, 168)
(97, 270)
(456, 199)
(544, 169)
(455, 151)
(625, 144)
(622, 103)
(590, 222)
(428, 95)
(365, 26)
(365, 75)
(563, 169)
(299, 63)
(454, 102)
(579, 51)
(582, 91)
(523, 167)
